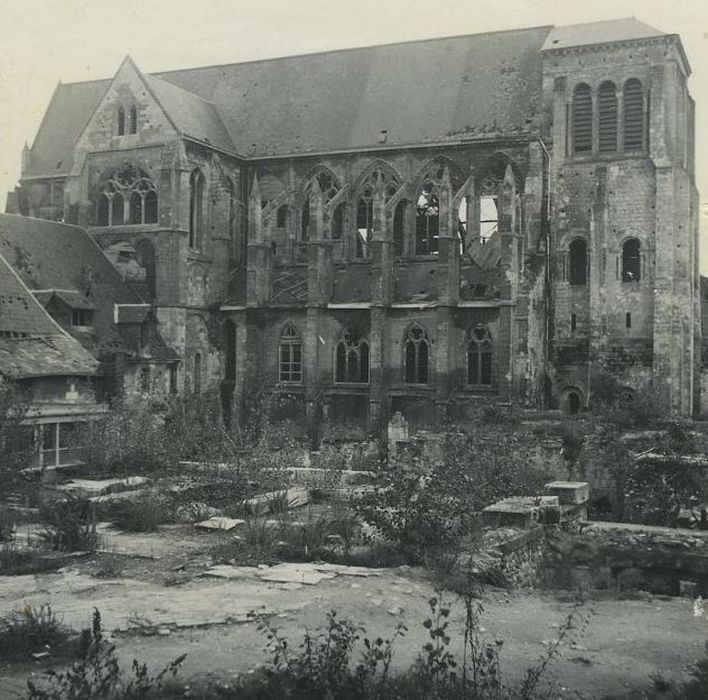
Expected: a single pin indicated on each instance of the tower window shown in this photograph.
(479, 357)
(133, 120)
(582, 119)
(628, 320)
(633, 116)
(196, 208)
(573, 323)
(631, 261)
(290, 356)
(352, 358)
(417, 353)
(607, 114)
(577, 269)
(364, 222)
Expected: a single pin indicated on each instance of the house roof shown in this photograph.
(53, 256)
(606, 32)
(31, 343)
(71, 298)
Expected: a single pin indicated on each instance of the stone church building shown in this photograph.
(425, 227)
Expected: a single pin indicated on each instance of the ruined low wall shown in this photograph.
(653, 559)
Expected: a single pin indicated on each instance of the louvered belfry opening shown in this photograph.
(633, 116)
(582, 119)
(607, 116)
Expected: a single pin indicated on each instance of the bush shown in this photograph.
(18, 562)
(142, 514)
(70, 524)
(28, 631)
(98, 674)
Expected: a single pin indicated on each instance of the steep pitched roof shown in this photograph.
(605, 32)
(31, 343)
(53, 256)
(191, 114)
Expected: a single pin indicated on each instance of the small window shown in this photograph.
(633, 116)
(133, 120)
(281, 216)
(197, 379)
(196, 208)
(173, 379)
(305, 221)
(352, 358)
(607, 115)
(479, 357)
(582, 119)
(578, 262)
(399, 227)
(121, 121)
(631, 261)
(338, 222)
(82, 317)
(628, 320)
(573, 323)
(144, 380)
(572, 403)
(416, 356)
(290, 356)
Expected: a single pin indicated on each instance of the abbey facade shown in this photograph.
(429, 227)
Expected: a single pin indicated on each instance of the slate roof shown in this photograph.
(31, 343)
(417, 92)
(53, 256)
(606, 32)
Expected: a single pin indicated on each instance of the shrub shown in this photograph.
(30, 630)
(18, 562)
(98, 674)
(69, 524)
(142, 514)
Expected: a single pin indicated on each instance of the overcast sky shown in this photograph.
(45, 41)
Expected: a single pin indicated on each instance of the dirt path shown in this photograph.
(626, 640)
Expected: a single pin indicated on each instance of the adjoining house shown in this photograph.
(103, 304)
(426, 227)
(54, 374)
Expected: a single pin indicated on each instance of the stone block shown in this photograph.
(569, 493)
(522, 512)
(220, 523)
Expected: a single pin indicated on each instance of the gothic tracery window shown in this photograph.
(479, 357)
(352, 358)
(290, 355)
(365, 200)
(127, 196)
(416, 356)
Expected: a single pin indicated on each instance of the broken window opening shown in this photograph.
(417, 352)
(338, 222)
(364, 223)
(352, 358)
(488, 217)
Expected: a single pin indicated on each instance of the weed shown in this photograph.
(98, 674)
(142, 514)
(18, 562)
(70, 525)
(30, 630)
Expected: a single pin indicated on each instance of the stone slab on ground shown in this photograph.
(290, 573)
(219, 522)
(102, 487)
(569, 493)
(294, 497)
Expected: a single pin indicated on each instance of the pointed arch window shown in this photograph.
(631, 261)
(479, 357)
(197, 187)
(133, 119)
(121, 120)
(364, 222)
(607, 117)
(352, 358)
(338, 221)
(427, 220)
(399, 227)
(416, 355)
(634, 119)
(290, 356)
(582, 119)
(127, 196)
(578, 262)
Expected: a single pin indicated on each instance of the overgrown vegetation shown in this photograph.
(98, 674)
(70, 524)
(141, 514)
(30, 630)
(324, 665)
